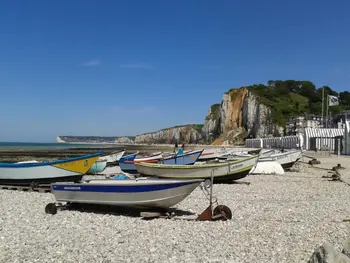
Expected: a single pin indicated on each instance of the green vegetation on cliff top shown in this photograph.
(197, 127)
(292, 98)
(214, 110)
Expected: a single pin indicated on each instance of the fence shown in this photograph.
(287, 142)
(310, 139)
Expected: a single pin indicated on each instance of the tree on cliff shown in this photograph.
(293, 97)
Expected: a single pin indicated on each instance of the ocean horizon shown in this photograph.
(42, 145)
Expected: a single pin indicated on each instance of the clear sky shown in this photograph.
(110, 68)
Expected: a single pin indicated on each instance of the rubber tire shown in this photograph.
(51, 208)
(223, 210)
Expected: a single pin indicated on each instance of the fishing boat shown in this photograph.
(127, 164)
(98, 166)
(224, 171)
(285, 158)
(112, 158)
(224, 153)
(71, 169)
(176, 159)
(135, 193)
(187, 158)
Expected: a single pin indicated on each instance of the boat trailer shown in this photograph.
(219, 213)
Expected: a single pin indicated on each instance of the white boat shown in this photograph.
(224, 171)
(138, 193)
(209, 154)
(113, 157)
(286, 159)
(28, 172)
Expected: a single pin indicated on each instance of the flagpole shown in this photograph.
(327, 110)
(322, 106)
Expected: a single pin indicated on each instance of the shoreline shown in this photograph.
(40, 154)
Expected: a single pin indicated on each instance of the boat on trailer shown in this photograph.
(33, 172)
(224, 171)
(134, 193)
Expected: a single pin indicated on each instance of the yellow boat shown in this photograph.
(27, 173)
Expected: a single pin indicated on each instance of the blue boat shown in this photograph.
(182, 159)
(128, 166)
(126, 163)
(135, 193)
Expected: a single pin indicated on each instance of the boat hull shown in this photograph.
(139, 193)
(71, 169)
(226, 171)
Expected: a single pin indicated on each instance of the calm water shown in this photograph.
(34, 145)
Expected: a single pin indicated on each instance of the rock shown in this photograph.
(240, 114)
(346, 248)
(328, 254)
(211, 126)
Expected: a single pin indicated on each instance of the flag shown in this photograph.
(333, 100)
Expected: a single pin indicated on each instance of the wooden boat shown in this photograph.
(112, 158)
(98, 166)
(71, 169)
(138, 193)
(224, 171)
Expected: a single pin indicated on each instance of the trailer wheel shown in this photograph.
(224, 211)
(51, 208)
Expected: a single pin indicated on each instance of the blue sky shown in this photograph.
(110, 68)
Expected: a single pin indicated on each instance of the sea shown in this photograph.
(39, 146)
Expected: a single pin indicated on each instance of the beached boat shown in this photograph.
(71, 169)
(223, 153)
(225, 171)
(182, 159)
(113, 157)
(187, 158)
(127, 165)
(138, 193)
(97, 167)
(286, 158)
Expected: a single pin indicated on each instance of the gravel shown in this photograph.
(275, 219)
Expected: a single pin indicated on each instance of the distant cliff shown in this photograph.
(191, 133)
(241, 114)
(95, 139)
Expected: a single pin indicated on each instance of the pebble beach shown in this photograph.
(276, 218)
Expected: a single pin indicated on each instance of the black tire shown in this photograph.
(51, 208)
(224, 211)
